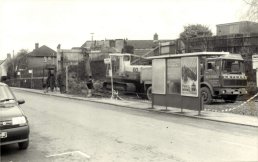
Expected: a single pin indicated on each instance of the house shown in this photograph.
(41, 56)
(137, 47)
(242, 27)
(100, 49)
(36, 61)
(3, 68)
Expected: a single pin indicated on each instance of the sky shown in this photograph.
(71, 22)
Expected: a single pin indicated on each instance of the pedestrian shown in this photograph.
(51, 80)
(44, 84)
(90, 86)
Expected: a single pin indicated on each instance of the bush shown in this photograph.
(251, 88)
(77, 87)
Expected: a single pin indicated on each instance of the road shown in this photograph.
(72, 130)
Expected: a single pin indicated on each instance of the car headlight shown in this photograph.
(19, 121)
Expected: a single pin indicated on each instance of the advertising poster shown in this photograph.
(189, 76)
(174, 76)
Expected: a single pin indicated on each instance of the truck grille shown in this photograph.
(235, 82)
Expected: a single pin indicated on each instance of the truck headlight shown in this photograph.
(19, 121)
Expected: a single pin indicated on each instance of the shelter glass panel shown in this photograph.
(159, 76)
(174, 76)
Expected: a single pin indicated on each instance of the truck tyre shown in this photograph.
(149, 93)
(206, 94)
(230, 98)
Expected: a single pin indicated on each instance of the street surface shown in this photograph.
(72, 130)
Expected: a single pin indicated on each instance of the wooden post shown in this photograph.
(256, 77)
(112, 86)
(199, 86)
(66, 78)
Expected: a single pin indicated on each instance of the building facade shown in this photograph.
(242, 27)
(3, 68)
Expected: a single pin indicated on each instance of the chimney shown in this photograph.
(8, 56)
(59, 46)
(36, 45)
(156, 37)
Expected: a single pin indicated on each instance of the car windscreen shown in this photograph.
(5, 94)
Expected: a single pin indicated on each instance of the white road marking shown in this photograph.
(67, 153)
(83, 154)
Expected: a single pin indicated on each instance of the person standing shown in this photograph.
(51, 80)
(90, 86)
(45, 84)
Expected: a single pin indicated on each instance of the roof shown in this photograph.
(190, 54)
(239, 22)
(42, 51)
(142, 52)
(137, 44)
(140, 44)
(123, 54)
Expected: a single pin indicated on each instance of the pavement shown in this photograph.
(147, 106)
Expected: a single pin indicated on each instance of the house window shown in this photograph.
(45, 59)
(49, 58)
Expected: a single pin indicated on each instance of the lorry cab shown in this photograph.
(223, 77)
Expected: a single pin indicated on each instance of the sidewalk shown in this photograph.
(146, 106)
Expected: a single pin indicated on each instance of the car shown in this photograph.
(14, 126)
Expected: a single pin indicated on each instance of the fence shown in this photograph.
(35, 83)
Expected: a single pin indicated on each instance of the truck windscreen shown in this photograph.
(233, 66)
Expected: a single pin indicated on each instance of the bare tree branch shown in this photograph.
(252, 12)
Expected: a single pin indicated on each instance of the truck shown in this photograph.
(222, 76)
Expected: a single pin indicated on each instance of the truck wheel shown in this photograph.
(206, 94)
(149, 93)
(230, 98)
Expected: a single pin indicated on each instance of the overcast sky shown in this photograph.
(70, 22)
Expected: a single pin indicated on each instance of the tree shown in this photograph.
(252, 12)
(193, 31)
(196, 31)
(16, 63)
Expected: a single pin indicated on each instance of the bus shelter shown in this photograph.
(176, 80)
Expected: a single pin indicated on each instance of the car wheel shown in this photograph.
(23, 145)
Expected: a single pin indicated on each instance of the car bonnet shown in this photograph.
(7, 113)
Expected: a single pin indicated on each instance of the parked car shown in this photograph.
(14, 127)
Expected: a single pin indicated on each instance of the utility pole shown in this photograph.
(13, 65)
(92, 39)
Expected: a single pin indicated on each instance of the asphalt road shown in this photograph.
(71, 130)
